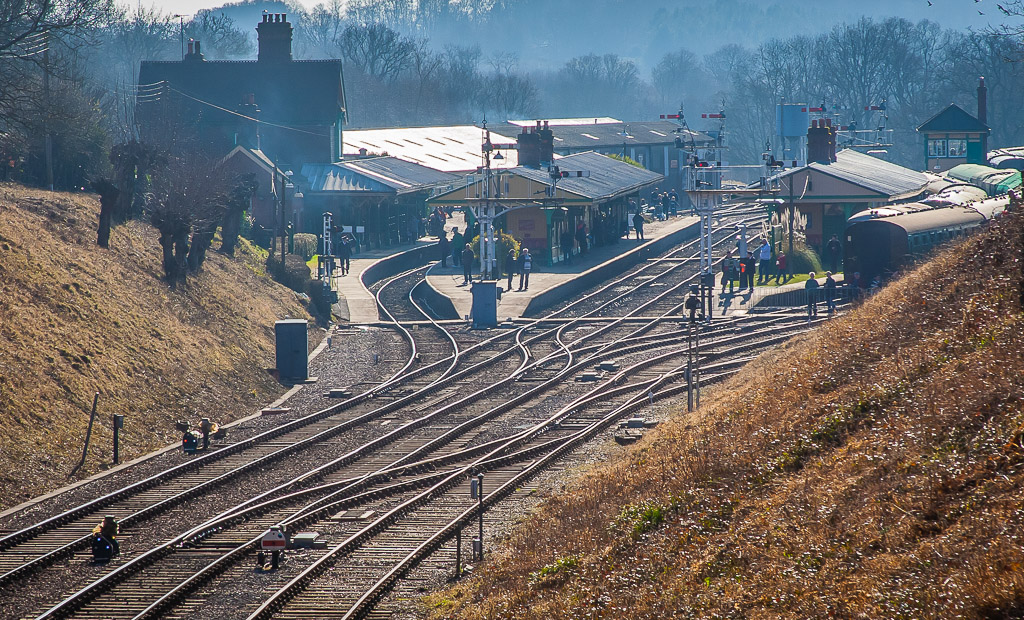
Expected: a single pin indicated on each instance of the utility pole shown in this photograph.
(46, 112)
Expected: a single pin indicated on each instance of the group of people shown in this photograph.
(812, 286)
(462, 254)
(744, 268)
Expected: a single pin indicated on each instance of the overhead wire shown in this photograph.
(240, 115)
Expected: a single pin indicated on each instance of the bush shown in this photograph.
(804, 259)
(305, 245)
(502, 242)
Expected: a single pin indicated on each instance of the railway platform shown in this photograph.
(356, 303)
(549, 284)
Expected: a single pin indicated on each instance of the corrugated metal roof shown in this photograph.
(385, 175)
(562, 122)
(614, 134)
(454, 148)
(608, 177)
(870, 173)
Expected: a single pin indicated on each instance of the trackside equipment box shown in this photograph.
(485, 304)
(292, 349)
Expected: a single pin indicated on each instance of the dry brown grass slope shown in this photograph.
(871, 469)
(75, 318)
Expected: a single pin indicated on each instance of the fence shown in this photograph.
(765, 298)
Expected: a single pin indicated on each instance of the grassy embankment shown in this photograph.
(75, 318)
(871, 469)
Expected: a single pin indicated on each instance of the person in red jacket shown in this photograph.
(781, 268)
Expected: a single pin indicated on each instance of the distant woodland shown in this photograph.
(68, 67)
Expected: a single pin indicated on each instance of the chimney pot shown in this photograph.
(191, 46)
(828, 122)
(197, 48)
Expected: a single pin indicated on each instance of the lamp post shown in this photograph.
(181, 31)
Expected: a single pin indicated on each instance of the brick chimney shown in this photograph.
(275, 38)
(546, 144)
(529, 145)
(983, 113)
(821, 142)
(194, 54)
(247, 132)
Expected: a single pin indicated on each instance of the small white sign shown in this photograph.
(273, 540)
(346, 229)
(360, 229)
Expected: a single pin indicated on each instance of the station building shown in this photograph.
(544, 205)
(380, 200)
(833, 186)
(300, 104)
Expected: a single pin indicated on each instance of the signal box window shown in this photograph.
(956, 148)
(936, 148)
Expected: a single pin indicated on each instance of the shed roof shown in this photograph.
(452, 148)
(608, 177)
(871, 173)
(954, 119)
(385, 175)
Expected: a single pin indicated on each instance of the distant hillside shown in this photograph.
(75, 318)
(872, 469)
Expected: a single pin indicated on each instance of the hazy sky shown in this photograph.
(952, 13)
(188, 7)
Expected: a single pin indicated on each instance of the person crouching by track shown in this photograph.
(510, 267)
(104, 540)
(812, 296)
(525, 265)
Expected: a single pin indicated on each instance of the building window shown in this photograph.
(956, 148)
(936, 148)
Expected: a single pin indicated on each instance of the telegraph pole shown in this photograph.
(46, 114)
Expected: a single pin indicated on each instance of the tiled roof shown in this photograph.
(954, 119)
(298, 92)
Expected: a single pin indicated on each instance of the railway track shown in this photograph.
(452, 435)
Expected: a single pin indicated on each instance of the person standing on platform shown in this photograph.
(638, 225)
(525, 265)
(457, 242)
(811, 287)
(581, 237)
(830, 293)
(834, 248)
(467, 263)
(510, 267)
(780, 268)
(766, 260)
(565, 240)
(443, 248)
(727, 271)
(345, 255)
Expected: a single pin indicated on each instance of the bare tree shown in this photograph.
(186, 202)
(218, 34)
(376, 50)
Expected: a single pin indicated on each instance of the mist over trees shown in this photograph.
(417, 63)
